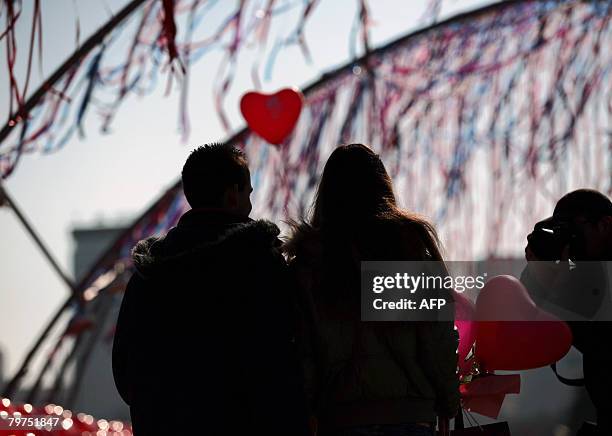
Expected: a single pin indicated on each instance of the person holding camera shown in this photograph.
(568, 267)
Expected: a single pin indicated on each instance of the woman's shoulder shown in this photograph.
(399, 224)
(403, 234)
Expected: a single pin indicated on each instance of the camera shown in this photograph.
(550, 236)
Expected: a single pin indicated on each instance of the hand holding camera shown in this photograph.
(548, 252)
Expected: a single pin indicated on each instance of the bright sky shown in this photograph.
(111, 178)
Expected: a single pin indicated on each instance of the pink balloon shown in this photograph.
(512, 332)
(504, 298)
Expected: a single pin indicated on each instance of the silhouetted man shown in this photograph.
(204, 341)
(581, 230)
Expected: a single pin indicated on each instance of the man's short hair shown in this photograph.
(209, 171)
(583, 202)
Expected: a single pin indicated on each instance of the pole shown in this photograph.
(7, 200)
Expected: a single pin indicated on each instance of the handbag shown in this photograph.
(494, 429)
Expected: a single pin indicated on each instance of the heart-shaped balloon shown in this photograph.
(512, 332)
(272, 116)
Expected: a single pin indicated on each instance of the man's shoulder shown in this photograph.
(251, 244)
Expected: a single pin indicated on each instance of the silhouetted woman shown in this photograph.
(366, 378)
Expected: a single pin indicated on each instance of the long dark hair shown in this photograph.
(355, 188)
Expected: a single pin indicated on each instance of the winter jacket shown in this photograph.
(204, 342)
(368, 373)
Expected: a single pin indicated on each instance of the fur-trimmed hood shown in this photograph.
(203, 234)
(305, 240)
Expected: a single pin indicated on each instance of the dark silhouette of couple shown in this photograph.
(225, 330)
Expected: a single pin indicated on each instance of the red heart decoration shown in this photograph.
(512, 332)
(272, 116)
